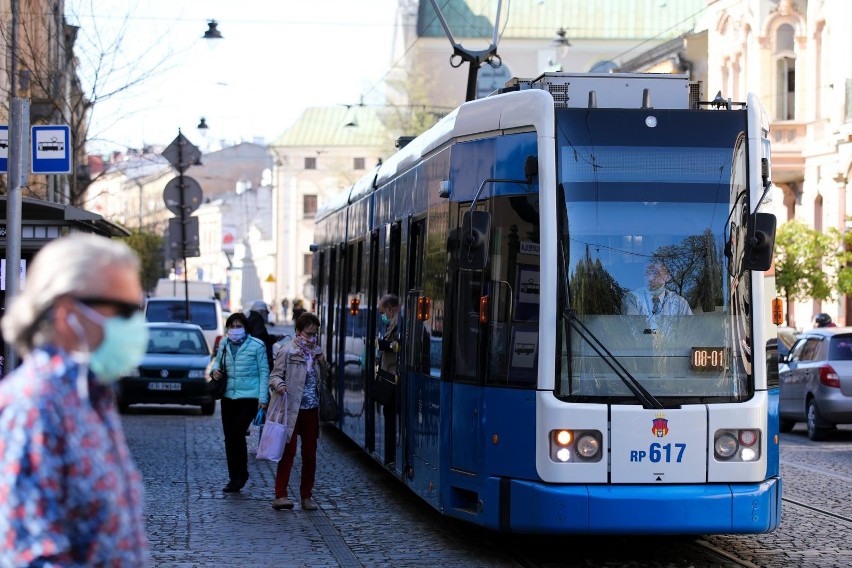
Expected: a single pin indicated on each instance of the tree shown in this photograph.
(149, 248)
(66, 70)
(695, 270)
(593, 290)
(806, 263)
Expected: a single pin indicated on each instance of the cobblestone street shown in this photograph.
(367, 518)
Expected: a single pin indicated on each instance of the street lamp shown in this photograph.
(212, 32)
(561, 42)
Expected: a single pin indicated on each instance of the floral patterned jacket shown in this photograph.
(70, 494)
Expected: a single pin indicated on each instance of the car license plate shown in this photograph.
(164, 386)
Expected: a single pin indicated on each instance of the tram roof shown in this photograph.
(482, 115)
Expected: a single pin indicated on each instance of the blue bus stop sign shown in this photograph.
(51, 149)
(4, 149)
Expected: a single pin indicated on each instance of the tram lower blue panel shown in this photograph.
(670, 509)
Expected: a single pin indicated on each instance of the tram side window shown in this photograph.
(465, 350)
(514, 291)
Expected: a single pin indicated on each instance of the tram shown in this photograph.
(581, 344)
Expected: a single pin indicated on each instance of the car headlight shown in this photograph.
(197, 373)
(133, 373)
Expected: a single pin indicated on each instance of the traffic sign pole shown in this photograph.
(181, 153)
(19, 129)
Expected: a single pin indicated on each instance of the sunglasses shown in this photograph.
(124, 310)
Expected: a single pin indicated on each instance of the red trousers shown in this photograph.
(307, 428)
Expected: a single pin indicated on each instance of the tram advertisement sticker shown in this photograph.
(659, 446)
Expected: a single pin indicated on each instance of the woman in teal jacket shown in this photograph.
(241, 360)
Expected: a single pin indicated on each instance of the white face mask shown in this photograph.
(237, 334)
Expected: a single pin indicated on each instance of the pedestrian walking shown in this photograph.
(70, 494)
(241, 361)
(298, 371)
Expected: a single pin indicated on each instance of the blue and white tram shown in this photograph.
(545, 384)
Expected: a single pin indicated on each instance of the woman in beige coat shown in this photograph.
(298, 372)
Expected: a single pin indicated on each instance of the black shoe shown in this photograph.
(243, 482)
(232, 487)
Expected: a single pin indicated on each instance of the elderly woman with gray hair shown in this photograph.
(71, 494)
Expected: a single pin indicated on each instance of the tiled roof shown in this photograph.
(583, 19)
(336, 126)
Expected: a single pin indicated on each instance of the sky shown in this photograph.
(276, 58)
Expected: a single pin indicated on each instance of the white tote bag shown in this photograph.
(274, 436)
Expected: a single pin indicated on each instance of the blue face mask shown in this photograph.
(124, 344)
(237, 334)
(385, 319)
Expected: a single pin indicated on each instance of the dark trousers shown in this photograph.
(307, 428)
(237, 415)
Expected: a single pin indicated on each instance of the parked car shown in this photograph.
(173, 371)
(203, 312)
(816, 381)
(786, 338)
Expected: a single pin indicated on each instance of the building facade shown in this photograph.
(789, 53)
(323, 152)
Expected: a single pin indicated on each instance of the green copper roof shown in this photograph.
(335, 126)
(583, 19)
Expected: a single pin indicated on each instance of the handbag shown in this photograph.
(327, 405)
(274, 436)
(218, 387)
(256, 431)
(383, 389)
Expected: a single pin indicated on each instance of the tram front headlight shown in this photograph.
(737, 444)
(725, 446)
(564, 437)
(588, 445)
(575, 445)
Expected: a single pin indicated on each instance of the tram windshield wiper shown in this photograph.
(642, 394)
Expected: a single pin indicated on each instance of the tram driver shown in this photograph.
(655, 300)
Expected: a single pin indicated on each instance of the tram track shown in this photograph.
(707, 547)
(843, 518)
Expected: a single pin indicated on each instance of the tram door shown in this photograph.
(468, 338)
(385, 397)
(417, 339)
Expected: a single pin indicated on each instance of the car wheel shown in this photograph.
(208, 409)
(785, 425)
(815, 431)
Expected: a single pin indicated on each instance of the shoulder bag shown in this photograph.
(218, 387)
(328, 409)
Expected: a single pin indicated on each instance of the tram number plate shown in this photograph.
(164, 386)
(656, 453)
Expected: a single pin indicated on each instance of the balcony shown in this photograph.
(788, 144)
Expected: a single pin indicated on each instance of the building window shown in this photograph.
(818, 213)
(359, 164)
(848, 99)
(785, 73)
(307, 264)
(310, 163)
(309, 205)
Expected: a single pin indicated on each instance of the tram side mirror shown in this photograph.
(473, 240)
(760, 242)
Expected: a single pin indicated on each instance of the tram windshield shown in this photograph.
(647, 198)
